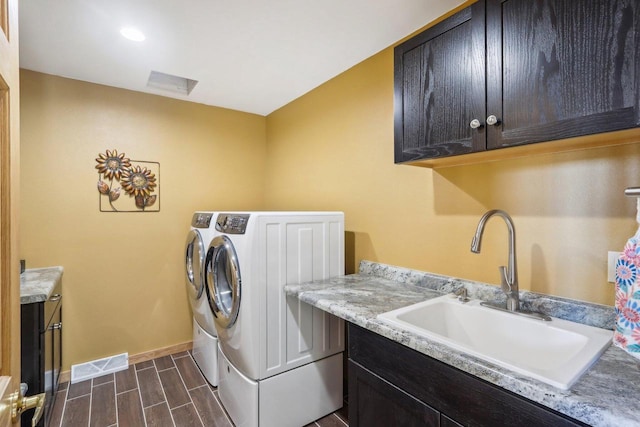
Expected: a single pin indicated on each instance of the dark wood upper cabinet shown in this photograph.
(549, 70)
(440, 87)
(558, 69)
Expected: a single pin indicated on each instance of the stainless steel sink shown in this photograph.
(556, 352)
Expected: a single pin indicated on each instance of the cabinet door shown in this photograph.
(375, 402)
(53, 361)
(558, 69)
(448, 422)
(440, 88)
(57, 348)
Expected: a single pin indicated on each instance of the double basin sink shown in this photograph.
(556, 352)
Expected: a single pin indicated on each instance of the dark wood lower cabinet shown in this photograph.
(41, 352)
(393, 385)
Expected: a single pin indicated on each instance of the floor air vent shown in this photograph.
(97, 368)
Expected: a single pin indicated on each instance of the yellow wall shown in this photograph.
(123, 281)
(333, 149)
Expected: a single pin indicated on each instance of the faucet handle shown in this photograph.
(504, 280)
(462, 295)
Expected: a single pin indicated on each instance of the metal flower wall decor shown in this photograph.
(138, 179)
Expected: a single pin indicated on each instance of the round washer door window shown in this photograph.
(222, 278)
(194, 260)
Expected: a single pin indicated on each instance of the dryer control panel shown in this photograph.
(232, 223)
(201, 220)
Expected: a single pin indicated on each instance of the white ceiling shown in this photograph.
(248, 55)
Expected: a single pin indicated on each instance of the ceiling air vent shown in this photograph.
(171, 83)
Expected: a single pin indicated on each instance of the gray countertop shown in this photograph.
(36, 284)
(606, 395)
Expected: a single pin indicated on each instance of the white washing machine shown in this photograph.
(274, 349)
(205, 341)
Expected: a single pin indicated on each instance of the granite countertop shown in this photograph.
(36, 284)
(606, 395)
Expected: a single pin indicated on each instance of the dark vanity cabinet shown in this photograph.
(393, 385)
(41, 350)
(501, 73)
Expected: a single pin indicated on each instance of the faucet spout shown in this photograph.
(508, 275)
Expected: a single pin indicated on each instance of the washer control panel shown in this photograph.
(232, 223)
(201, 220)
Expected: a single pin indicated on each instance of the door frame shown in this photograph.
(9, 200)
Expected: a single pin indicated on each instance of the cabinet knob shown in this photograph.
(492, 120)
(475, 124)
(55, 297)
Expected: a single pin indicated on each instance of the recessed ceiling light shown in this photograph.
(132, 34)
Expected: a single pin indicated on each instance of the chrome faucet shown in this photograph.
(509, 274)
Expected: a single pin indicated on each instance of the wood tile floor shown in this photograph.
(167, 391)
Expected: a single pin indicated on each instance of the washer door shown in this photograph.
(194, 260)
(222, 278)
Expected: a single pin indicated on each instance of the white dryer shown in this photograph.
(273, 348)
(205, 341)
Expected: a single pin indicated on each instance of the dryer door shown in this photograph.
(222, 279)
(194, 260)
